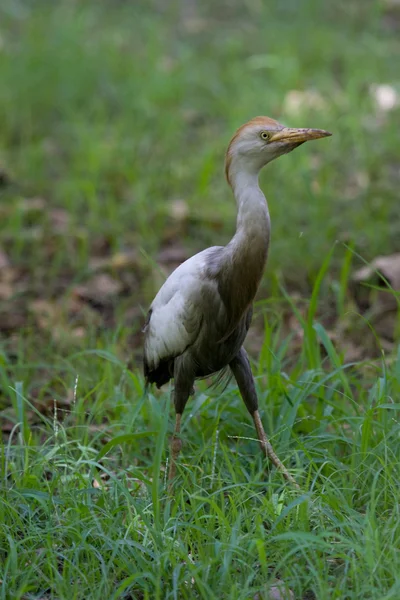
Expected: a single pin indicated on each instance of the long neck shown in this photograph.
(247, 251)
(253, 226)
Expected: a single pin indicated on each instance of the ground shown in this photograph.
(115, 119)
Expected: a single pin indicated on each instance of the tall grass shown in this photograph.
(85, 511)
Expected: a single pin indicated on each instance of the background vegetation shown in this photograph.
(114, 121)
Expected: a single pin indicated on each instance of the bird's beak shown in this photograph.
(298, 136)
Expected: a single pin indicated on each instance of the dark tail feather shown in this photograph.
(161, 375)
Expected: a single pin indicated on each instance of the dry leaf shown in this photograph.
(278, 591)
(172, 254)
(353, 352)
(388, 266)
(179, 210)
(100, 481)
(386, 97)
(382, 304)
(296, 101)
(60, 220)
(53, 317)
(100, 289)
(99, 263)
(27, 205)
(46, 313)
(123, 260)
(118, 261)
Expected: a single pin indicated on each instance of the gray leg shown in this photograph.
(182, 390)
(241, 370)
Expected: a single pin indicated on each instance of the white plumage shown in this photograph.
(176, 311)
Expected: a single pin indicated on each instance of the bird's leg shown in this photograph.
(241, 370)
(183, 389)
(176, 445)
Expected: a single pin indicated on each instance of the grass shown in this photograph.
(111, 112)
(85, 512)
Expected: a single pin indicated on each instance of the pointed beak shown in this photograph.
(298, 136)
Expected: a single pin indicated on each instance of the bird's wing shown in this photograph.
(170, 329)
(176, 314)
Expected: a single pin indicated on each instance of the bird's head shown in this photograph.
(261, 140)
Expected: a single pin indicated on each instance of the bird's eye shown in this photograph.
(264, 135)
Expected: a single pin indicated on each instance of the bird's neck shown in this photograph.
(253, 222)
(247, 251)
(250, 243)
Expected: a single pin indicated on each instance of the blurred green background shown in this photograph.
(115, 117)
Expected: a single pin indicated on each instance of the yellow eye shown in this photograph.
(264, 135)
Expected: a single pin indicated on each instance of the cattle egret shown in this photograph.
(199, 319)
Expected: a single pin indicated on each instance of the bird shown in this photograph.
(199, 319)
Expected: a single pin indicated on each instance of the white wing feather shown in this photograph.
(175, 312)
